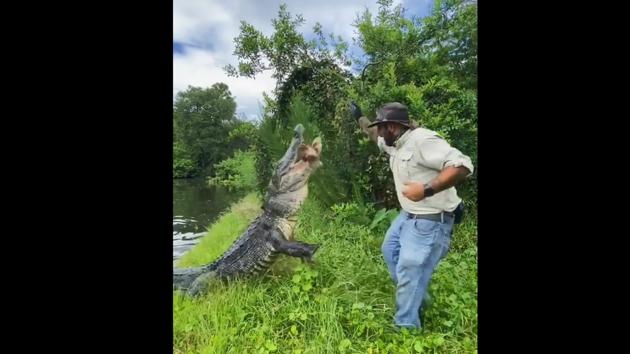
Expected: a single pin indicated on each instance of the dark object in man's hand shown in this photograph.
(356, 111)
(459, 213)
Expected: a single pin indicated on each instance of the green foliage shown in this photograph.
(319, 83)
(242, 136)
(283, 50)
(451, 36)
(183, 164)
(237, 173)
(351, 213)
(383, 218)
(263, 162)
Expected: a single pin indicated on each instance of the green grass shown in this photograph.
(344, 303)
(223, 232)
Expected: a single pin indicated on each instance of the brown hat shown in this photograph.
(392, 112)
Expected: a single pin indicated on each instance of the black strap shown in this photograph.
(433, 217)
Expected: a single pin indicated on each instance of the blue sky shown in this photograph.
(203, 33)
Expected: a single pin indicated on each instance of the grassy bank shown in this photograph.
(343, 303)
(223, 232)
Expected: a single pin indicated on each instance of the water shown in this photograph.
(196, 205)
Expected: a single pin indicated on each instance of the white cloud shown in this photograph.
(201, 68)
(193, 18)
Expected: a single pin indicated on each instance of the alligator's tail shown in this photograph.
(183, 277)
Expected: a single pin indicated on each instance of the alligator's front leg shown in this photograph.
(297, 249)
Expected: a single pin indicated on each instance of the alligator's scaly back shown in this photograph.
(271, 233)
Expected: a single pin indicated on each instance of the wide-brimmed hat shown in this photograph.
(393, 112)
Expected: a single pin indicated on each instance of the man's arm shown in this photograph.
(370, 132)
(363, 122)
(436, 153)
(449, 177)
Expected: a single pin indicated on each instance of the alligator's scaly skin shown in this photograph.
(271, 233)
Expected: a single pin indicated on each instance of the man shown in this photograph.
(425, 169)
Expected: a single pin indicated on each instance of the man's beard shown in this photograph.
(390, 138)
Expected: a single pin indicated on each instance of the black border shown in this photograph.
(94, 95)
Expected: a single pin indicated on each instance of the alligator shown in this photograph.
(272, 232)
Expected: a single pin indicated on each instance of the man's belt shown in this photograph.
(434, 217)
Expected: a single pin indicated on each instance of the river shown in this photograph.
(196, 205)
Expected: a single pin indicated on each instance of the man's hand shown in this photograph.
(413, 191)
(355, 111)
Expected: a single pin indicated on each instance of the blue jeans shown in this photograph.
(412, 249)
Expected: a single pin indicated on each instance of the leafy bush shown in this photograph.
(237, 173)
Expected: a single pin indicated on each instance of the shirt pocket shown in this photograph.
(405, 163)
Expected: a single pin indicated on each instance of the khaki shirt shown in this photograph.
(419, 155)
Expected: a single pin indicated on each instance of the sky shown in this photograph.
(204, 32)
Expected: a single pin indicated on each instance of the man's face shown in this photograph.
(388, 132)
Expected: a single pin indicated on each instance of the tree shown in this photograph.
(202, 120)
(281, 52)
